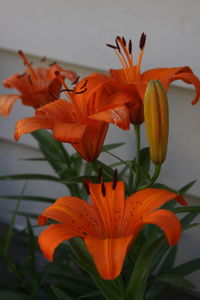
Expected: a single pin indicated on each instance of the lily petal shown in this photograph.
(59, 109)
(118, 115)
(74, 213)
(143, 203)
(168, 222)
(68, 132)
(6, 103)
(31, 124)
(109, 204)
(53, 236)
(191, 79)
(108, 254)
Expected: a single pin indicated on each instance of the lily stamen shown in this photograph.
(28, 64)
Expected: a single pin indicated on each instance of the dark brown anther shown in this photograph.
(75, 81)
(111, 46)
(81, 92)
(84, 85)
(66, 90)
(124, 41)
(30, 80)
(142, 40)
(115, 179)
(21, 75)
(86, 182)
(100, 173)
(118, 47)
(118, 38)
(103, 189)
(57, 73)
(52, 95)
(53, 63)
(130, 46)
(43, 59)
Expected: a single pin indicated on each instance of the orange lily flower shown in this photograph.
(37, 86)
(80, 120)
(109, 225)
(131, 79)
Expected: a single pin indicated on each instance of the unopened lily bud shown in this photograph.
(157, 120)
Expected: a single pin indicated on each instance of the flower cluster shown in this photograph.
(80, 115)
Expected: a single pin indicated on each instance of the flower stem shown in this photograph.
(137, 153)
(156, 173)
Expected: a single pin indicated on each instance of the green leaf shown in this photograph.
(34, 159)
(30, 177)
(26, 214)
(46, 140)
(60, 294)
(188, 267)
(188, 218)
(97, 164)
(111, 146)
(175, 279)
(185, 209)
(169, 260)
(29, 197)
(145, 162)
(45, 177)
(163, 186)
(186, 187)
(82, 257)
(11, 295)
(10, 227)
(53, 151)
(138, 281)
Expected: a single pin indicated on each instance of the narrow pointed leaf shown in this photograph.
(188, 186)
(111, 146)
(169, 260)
(11, 295)
(184, 209)
(138, 281)
(29, 197)
(11, 225)
(175, 279)
(188, 267)
(60, 294)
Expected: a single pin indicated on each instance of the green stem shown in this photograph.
(137, 153)
(156, 174)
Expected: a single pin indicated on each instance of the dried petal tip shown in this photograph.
(142, 40)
